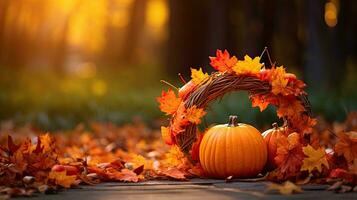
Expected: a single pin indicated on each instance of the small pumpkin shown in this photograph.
(270, 137)
(233, 149)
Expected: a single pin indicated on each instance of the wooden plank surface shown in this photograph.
(196, 189)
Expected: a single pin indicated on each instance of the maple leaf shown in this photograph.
(262, 101)
(289, 107)
(127, 175)
(278, 81)
(194, 114)
(46, 141)
(303, 123)
(286, 188)
(174, 173)
(347, 145)
(223, 62)
(198, 76)
(174, 157)
(289, 155)
(248, 65)
(166, 135)
(314, 159)
(168, 101)
(179, 121)
(62, 179)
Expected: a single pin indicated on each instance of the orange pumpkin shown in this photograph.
(270, 137)
(233, 149)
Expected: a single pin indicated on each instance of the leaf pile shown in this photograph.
(31, 161)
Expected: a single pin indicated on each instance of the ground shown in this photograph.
(201, 189)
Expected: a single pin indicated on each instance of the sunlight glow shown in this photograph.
(331, 13)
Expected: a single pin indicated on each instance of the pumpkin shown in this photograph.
(186, 89)
(233, 149)
(270, 137)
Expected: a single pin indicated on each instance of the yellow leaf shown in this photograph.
(314, 159)
(195, 114)
(198, 76)
(174, 157)
(278, 81)
(248, 65)
(286, 188)
(62, 179)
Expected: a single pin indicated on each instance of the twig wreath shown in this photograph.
(265, 86)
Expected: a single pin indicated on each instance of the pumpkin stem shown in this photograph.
(233, 121)
(275, 125)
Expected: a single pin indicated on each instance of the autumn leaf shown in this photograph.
(314, 160)
(248, 65)
(174, 157)
(166, 135)
(179, 121)
(62, 179)
(198, 76)
(286, 188)
(262, 101)
(127, 175)
(174, 173)
(194, 114)
(289, 155)
(168, 101)
(278, 81)
(289, 107)
(347, 145)
(223, 62)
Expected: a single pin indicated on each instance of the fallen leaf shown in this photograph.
(62, 179)
(314, 160)
(174, 173)
(286, 188)
(347, 145)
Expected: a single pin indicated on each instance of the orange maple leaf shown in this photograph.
(127, 175)
(198, 76)
(168, 101)
(314, 160)
(289, 155)
(347, 145)
(303, 123)
(289, 107)
(174, 157)
(194, 114)
(278, 81)
(223, 62)
(166, 135)
(179, 121)
(262, 101)
(248, 65)
(62, 179)
(174, 173)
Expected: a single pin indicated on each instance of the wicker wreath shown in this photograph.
(265, 86)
